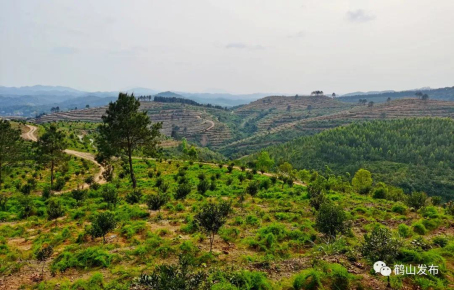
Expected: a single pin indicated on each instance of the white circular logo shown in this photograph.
(385, 271)
(378, 265)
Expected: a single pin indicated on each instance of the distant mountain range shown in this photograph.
(33, 100)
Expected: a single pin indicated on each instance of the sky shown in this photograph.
(237, 46)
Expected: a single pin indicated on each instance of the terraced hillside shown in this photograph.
(197, 124)
(402, 108)
(274, 111)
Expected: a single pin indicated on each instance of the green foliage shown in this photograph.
(125, 130)
(83, 259)
(54, 209)
(134, 196)
(203, 186)
(50, 151)
(103, 223)
(391, 149)
(362, 181)
(11, 146)
(379, 245)
(417, 200)
(110, 195)
(181, 276)
(182, 191)
(404, 231)
(78, 194)
(156, 201)
(212, 216)
(264, 162)
(331, 220)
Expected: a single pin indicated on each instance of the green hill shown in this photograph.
(415, 154)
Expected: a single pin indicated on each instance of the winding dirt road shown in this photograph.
(30, 135)
(90, 157)
(209, 121)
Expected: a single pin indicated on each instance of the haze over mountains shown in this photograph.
(30, 101)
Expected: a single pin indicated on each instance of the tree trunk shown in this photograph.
(133, 177)
(51, 175)
(211, 241)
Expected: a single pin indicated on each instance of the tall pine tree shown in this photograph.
(51, 148)
(125, 129)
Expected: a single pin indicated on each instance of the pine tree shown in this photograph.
(125, 129)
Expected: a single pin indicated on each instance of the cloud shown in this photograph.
(241, 45)
(359, 16)
(299, 34)
(64, 50)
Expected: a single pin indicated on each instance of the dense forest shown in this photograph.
(185, 101)
(415, 154)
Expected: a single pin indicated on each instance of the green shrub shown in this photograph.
(404, 231)
(399, 208)
(440, 241)
(309, 279)
(83, 259)
(379, 245)
(419, 228)
(134, 196)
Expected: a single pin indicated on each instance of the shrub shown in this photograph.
(54, 209)
(103, 223)
(252, 188)
(212, 217)
(182, 191)
(78, 194)
(156, 201)
(110, 195)
(87, 258)
(309, 279)
(440, 241)
(417, 200)
(381, 191)
(181, 276)
(59, 184)
(419, 228)
(331, 220)
(159, 181)
(399, 208)
(404, 231)
(203, 186)
(379, 245)
(362, 181)
(134, 196)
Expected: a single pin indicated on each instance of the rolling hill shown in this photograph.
(416, 154)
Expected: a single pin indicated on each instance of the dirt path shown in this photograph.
(209, 121)
(90, 157)
(30, 135)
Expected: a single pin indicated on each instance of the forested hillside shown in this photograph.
(415, 154)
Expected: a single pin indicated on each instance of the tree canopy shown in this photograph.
(126, 129)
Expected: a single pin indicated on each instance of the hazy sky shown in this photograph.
(240, 46)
